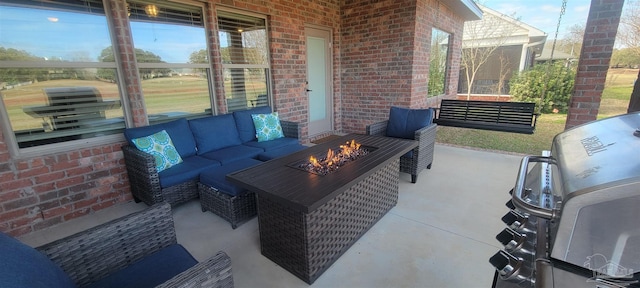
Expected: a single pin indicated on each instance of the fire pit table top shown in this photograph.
(281, 181)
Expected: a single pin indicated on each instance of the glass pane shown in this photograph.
(167, 43)
(245, 88)
(178, 93)
(65, 97)
(243, 39)
(171, 33)
(52, 35)
(438, 63)
(62, 109)
(317, 63)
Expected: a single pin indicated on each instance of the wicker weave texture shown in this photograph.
(214, 272)
(95, 253)
(306, 244)
(145, 181)
(290, 129)
(422, 156)
(235, 209)
(100, 251)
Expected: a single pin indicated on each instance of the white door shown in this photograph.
(319, 88)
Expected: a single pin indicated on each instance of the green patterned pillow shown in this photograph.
(267, 126)
(161, 147)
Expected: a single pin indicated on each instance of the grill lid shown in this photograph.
(604, 152)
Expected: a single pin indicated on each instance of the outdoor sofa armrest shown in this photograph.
(290, 129)
(92, 254)
(213, 272)
(378, 128)
(143, 175)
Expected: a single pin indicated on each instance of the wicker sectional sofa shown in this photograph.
(205, 145)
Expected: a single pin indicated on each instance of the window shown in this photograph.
(245, 60)
(171, 51)
(438, 63)
(54, 85)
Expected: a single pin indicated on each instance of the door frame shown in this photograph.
(327, 32)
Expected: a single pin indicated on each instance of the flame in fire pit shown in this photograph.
(333, 160)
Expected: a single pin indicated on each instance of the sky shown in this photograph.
(543, 14)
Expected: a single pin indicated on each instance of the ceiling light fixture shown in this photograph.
(151, 10)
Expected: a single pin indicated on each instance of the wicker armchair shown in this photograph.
(100, 251)
(421, 156)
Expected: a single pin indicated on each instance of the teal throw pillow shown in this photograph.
(267, 126)
(161, 147)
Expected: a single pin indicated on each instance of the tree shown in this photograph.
(481, 39)
(18, 75)
(626, 57)
(142, 56)
(572, 43)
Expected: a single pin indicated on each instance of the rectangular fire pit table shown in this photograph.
(306, 220)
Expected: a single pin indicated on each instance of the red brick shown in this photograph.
(57, 211)
(49, 177)
(64, 165)
(15, 184)
(70, 181)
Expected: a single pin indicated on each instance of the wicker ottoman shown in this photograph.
(224, 199)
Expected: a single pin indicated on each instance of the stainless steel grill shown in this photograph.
(575, 210)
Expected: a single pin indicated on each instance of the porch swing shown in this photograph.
(515, 117)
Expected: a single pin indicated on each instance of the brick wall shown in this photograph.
(385, 57)
(597, 46)
(39, 192)
(374, 67)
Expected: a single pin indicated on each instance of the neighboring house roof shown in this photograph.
(496, 27)
(467, 9)
(557, 55)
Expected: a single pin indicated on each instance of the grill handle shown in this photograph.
(518, 201)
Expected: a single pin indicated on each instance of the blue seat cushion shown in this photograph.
(404, 122)
(152, 270)
(273, 144)
(24, 266)
(189, 169)
(279, 152)
(244, 122)
(215, 132)
(216, 177)
(178, 130)
(233, 153)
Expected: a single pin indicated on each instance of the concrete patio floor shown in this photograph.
(441, 233)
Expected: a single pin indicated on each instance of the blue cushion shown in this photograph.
(272, 144)
(404, 122)
(161, 147)
(216, 177)
(244, 122)
(215, 132)
(279, 152)
(23, 266)
(189, 169)
(267, 126)
(233, 153)
(152, 270)
(178, 130)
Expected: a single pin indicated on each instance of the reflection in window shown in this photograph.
(243, 47)
(438, 64)
(52, 85)
(170, 47)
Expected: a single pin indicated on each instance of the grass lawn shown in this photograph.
(615, 99)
